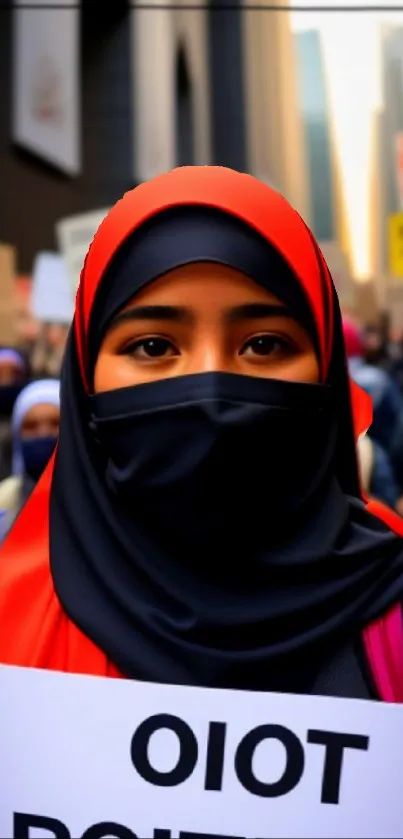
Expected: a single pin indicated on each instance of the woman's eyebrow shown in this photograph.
(180, 314)
(141, 313)
(251, 311)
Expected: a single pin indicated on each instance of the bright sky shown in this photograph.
(351, 54)
(314, 20)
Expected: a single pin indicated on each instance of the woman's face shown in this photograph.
(40, 421)
(10, 373)
(204, 318)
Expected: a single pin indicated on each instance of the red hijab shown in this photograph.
(34, 628)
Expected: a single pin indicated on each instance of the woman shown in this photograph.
(14, 374)
(34, 426)
(201, 521)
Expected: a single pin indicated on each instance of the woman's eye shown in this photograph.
(266, 345)
(149, 348)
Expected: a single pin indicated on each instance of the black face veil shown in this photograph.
(181, 594)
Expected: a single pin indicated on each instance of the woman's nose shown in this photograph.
(208, 357)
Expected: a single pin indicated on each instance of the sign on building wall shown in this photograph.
(46, 81)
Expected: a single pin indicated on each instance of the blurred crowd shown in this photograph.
(375, 361)
(29, 425)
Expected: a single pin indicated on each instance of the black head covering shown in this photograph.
(161, 615)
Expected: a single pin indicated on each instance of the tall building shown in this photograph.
(235, 92)
(275, 137)
(328, 216)
(315, 117)
(390, 124)
(392, 112)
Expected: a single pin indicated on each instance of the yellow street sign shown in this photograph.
(395, 245)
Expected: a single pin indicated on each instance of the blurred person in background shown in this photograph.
(34, 429)
(386, 398)
(201, 522)
(377, 473)
(383, 348)
(47, 355)
(396, 359)
(396, 450)
(57, 339)
(375, 345)
(14, 374)
(26, 325)
(376, 461)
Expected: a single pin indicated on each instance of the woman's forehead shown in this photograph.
(11, 366)
(202, 283)
(43, 410)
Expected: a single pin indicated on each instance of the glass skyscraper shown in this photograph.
(314, 112)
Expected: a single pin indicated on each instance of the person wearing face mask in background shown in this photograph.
(202, 521)
(34, 428)
(14, 374)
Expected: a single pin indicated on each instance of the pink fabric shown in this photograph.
(352, 339)
(383, 642)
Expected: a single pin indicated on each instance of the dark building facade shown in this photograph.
(34, 195)
(227, 84)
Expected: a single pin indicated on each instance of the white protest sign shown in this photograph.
(74, 236)
(52, 300)
(91, 758)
